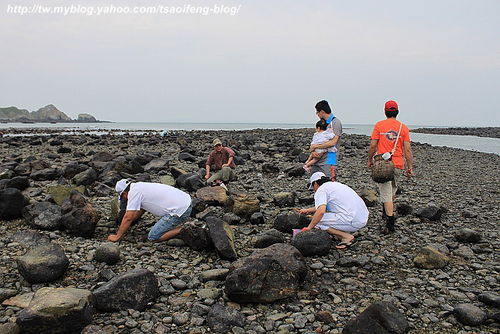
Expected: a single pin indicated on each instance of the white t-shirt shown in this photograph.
(341, 200)
(158, 199)
(321, 138)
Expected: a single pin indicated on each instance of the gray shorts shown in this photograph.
(387, 190)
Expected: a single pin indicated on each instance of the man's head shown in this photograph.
(391, 109)
(217, 144)
(316, 180)
(122, 187)
(321, 125)
(323, 110)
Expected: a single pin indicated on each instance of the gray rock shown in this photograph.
(43, 264)
(222, 318)
(468, 235)
(469, 314)
(107, 253)
(257, 218)
(349, 261)
(268, 238)
(85, 178)
(430, 258)
(378, 318)
(56, 310)
(47, 174)
(29, 238)
(430, 212)
(222, 236)
(214, 275)
(312, 242)
(185, 156)
(289, 221)
(134, 289)
(43, 215)
(267, 275)
(9, 328)
(93, 329)
(12, 203)
(490, 298)
(231, 218)
(73, 168)
(284, 199)
(7, 293)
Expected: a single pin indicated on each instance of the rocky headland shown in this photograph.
(491, 132)
(47, 114)
(236, 267)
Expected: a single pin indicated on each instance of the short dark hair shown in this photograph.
(321, 124)
(391, 113)
(324, 179)
(323, 105)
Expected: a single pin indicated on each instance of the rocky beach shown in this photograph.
(491, 132)
(236, 267)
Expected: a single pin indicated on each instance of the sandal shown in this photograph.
(345, 244)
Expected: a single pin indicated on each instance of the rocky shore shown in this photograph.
(237, 269)
(491, 132)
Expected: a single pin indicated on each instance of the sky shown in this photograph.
(269, 63)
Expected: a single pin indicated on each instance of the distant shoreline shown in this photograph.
(490, 132)
(3, 121)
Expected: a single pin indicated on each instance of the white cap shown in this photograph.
(315, 177)
(121, 186)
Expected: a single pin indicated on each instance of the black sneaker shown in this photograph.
(391, 224)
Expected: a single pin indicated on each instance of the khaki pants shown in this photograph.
(387, 190)
(226, 174)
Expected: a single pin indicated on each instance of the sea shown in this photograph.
(472, 143)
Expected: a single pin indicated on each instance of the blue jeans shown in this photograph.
(167, 223)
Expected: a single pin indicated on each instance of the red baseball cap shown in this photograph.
(391, 105)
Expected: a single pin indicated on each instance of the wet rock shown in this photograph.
(469, 314)
(212, 195)
(370, 197)
(267, 275)
(85, 178)
(489, 298)
(47, 174)
(12, 203)
(57, 310)
(231, 218)
(223, 238)
(43, 263)
(43, 215)
(196, 236)
(430, 212)
(312, 242)
(79, 217)
(222, 318)
(134, 289)
(18, 182)
(287, 221)
(468, 235)
(244, 205)
(60, 193)
(284, 199)
(107, 253)
(379, 318)
(268, 238)
(430, 258)
(257, 218)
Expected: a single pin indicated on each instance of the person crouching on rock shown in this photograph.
(337, 209)
(169, 203)
(222, 160)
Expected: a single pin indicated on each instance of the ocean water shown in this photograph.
(473, 143)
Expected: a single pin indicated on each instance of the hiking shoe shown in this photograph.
(391, 224)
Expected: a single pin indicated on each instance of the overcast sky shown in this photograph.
(271, 62)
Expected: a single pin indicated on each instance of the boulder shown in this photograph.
(198, 206)
(267, 275)
(43, 215)
(168, 180)
(79, 217)
(195, 236)
(404, 209)
(286, 222)
(47, 174)
(18, 182)
(284, 199)
(223, 238)
(430, 258)
(85, 178)
(12, 203)
(156, 165)
(57, 310)
(257, 218)
(108, 253)
(103, 157)
(430, 212)
(468, 235)
(378, 318)
(489, 298)
(181, 180)
(60, 193)
(134, 289)
(244, 205)
(43, 263)
(176, 172)
(369, 196)
(185, 156)
(8, 293)
(231, 218)
(128, 167)
(29, 238)
(268, 238)
(222, 318)
(312, 242)
(469, 315)
(212, 195)
(296, 171)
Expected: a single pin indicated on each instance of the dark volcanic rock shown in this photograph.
(185, 156)
(43, 215)
(29, 238)
(287, 221)
(212, 195)
(269, 238)
(196, 237)
(43, 264)
(134, 289)
(18, 182)
(85, 178)
(244, 205)
(378, 318)
(404, 209)
(468, 235)
(489, 298)
(107, 253)
(12, 203)
(296, 171)
(223, 238)
(222, 318)
(257, 218)
(46, 174)
(267, 275)
(79, 217)
(57, 310)
(430, 212)
(469, 314)
(231, 218)
(312, 242)
(284, 199)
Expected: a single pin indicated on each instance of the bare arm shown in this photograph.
(129, 217)
(318, 215)
(371, 151)
(307, 211)
(408, 158)
(229, 162)
(207, 175)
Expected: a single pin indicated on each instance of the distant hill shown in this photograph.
(46, 114)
